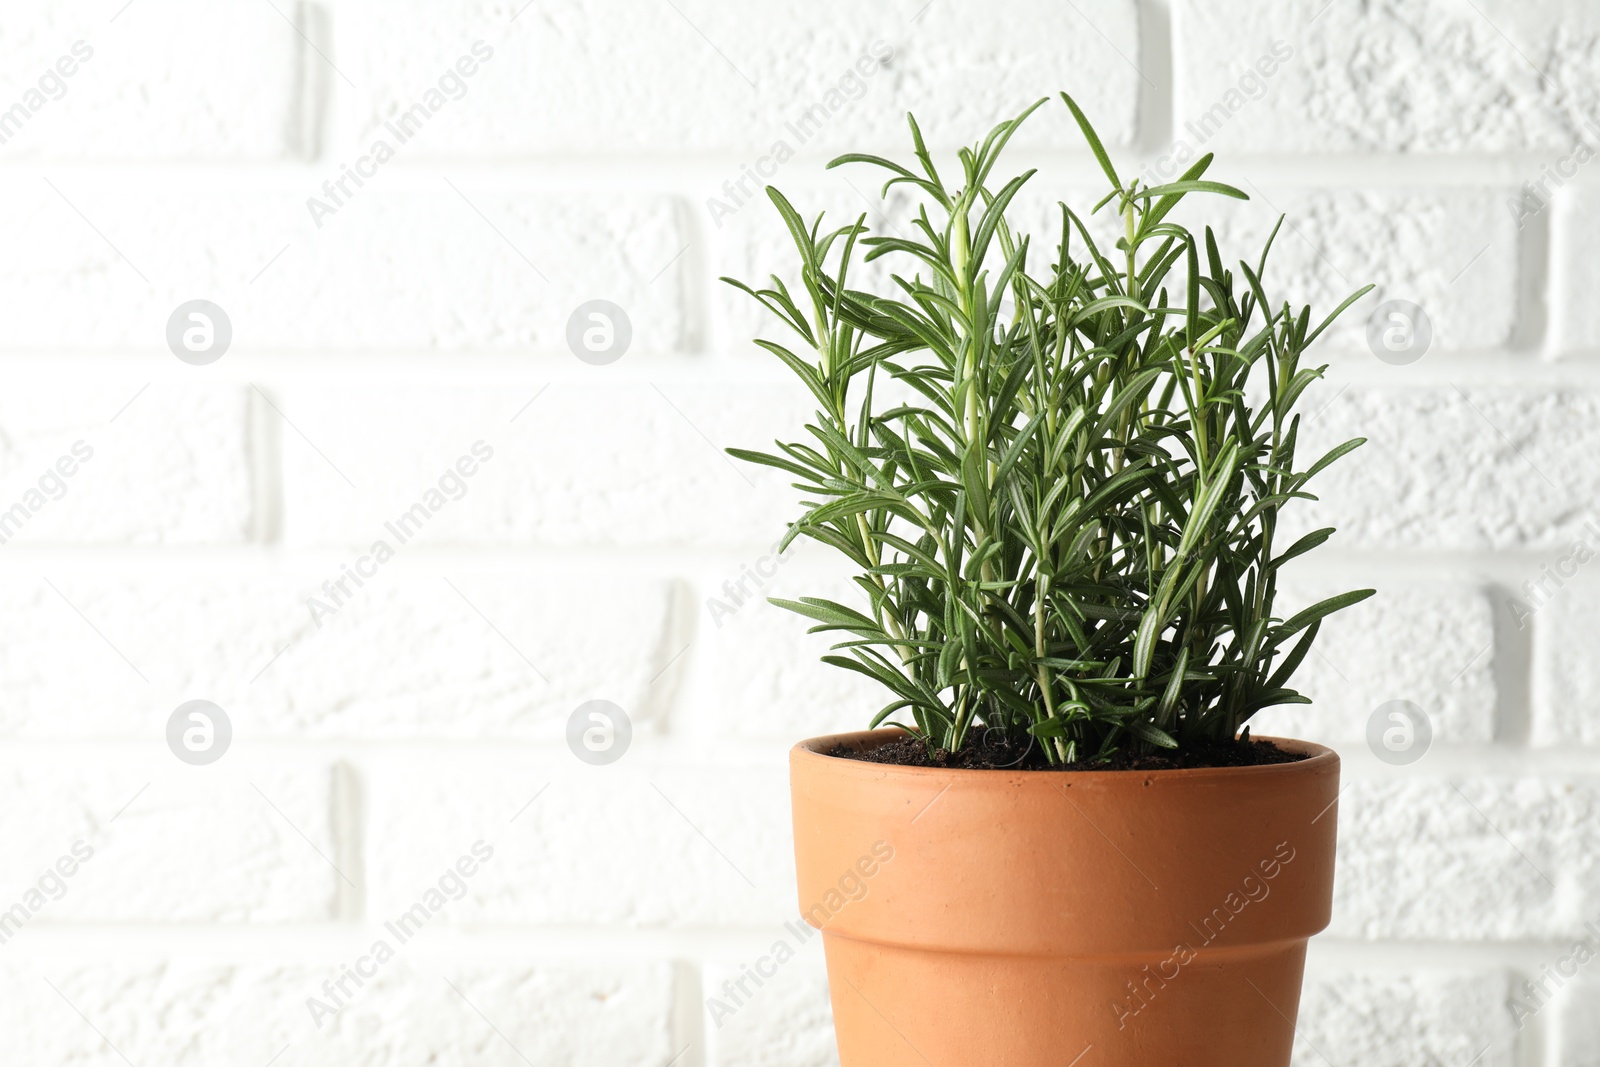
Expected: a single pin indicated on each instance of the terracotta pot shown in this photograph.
(1029, 918)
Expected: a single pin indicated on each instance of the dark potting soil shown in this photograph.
(908, 751)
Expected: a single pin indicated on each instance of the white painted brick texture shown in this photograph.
(459, 266)
(172, 80)
(1394, 76)
(390, 314)
(463, 652)
(588, 76)
(172, 846)
(191, 1012)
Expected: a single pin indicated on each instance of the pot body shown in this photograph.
(1027, 918)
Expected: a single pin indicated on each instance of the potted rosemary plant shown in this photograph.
(1059, 470)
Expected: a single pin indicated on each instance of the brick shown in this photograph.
(542, 645)
(1417, 862)
(1429, 643)
(173, 844)
(169, 464)
(1566, 687)
(1575, 1021)
(586, 464)
(404, 263)
(1374, 1019)
(787, 1022)
(586, 76)
(598, 847)
(1398, 76)
(406, 657)
(187, 1013)
(150, 83)
(1450, 468)
(1575, 320)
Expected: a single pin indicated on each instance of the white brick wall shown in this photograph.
(608, 551)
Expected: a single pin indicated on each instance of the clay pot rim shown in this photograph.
(814, 749)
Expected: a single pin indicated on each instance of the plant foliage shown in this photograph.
(1065, 519)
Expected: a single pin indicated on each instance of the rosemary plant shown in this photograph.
(1069, 534)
